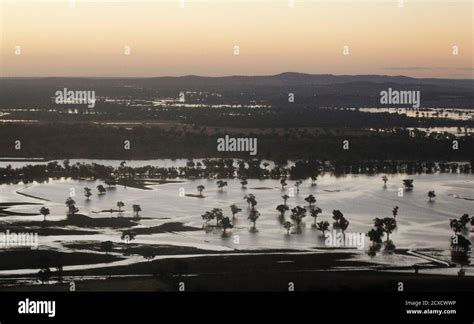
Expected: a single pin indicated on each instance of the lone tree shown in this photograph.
(87, 192)
(287, 225)
(107, 246)
(298, 184)
(297, 214)
(120, 204)
(315, 213)
(136, 209)
(282, 209)
(408, 184)
(251, 200)
(128, 236)
(221, 184)
(384, 179)
(45, 212)
(234, 210)
(225, 224)
(101, 189)
(253, 216)
(244, 183)
(283, 183)
(200, 188)
(395, 211)
(431, 195)
(285, 198)
(314, 178)
(311, 200)
(323, 226)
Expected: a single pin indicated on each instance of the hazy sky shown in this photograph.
(88, 38)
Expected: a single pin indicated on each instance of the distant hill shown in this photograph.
(309, 89)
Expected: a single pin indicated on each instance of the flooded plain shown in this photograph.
(359, 197)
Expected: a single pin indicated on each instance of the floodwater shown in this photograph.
(361, 198)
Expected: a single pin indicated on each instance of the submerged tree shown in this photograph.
(297, 214)
(395, 211)
(315, 211)
(101, 189)
(311, 200)
(297, 185)
(387, 225)
(340, 221)
(283, 183)
(282, 209)
(287, 225)
(384, 179)
(221, 184)
(285, 198)
(408, 184)
(71, 204)
(136, 209)
(431, 195)
(459, 225)
(337, 215)
(207, 217)
(120, 204)
(87, 192)
(375, 235)
(225, 224)
(244, 183)
(200, 188)
(343, 224)
(234, 210)
(253, 216)
(251, 200)
(323, 226)
(218, 215)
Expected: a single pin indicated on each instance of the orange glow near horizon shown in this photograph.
(89, 39)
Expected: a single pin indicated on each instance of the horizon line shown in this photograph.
(232, 76)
